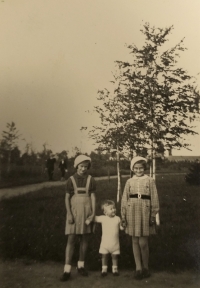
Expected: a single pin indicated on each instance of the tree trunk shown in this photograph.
(131, 157)
(153, 173)
(119, 192)
(9, 161)
(108, 169)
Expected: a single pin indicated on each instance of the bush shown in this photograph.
(193, 177)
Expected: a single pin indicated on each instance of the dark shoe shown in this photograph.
(146, 273)
(65, 277)
(82, 271)
(115, 273)
(138, 275)
(103, 274)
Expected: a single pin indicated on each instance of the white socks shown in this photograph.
(114, 269)
(80, 264)
(67, 268)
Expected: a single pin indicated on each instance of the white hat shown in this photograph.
(136, 159)
(81, 158)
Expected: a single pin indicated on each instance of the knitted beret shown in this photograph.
(81, 158)
(136, 159)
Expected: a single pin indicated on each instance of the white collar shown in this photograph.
(142, 177)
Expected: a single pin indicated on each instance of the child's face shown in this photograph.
(138, 169)
(82, 168)
(110, 211)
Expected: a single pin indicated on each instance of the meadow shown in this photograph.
(32, 227)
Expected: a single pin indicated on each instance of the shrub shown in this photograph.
(193, 177)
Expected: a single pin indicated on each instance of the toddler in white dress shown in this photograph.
(110, 236)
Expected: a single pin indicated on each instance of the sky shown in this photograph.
(56, 54)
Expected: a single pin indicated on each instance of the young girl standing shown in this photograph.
(139, 207)
(80, 205)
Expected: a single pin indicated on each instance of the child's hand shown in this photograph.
(88, 221)
(70, 219)
(123, 223)
(152, 221)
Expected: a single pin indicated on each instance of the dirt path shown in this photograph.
(19, 274)
(15, 191)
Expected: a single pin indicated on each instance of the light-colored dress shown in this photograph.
(137, 211)
(80, 202)
(110, 234)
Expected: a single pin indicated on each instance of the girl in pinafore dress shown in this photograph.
(80, 205)
(139, 207)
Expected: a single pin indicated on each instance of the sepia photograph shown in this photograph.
(99, 143)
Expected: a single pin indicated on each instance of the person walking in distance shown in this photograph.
(50, 162)
(63, 168)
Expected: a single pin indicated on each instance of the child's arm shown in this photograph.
(70, 218)
(91, 217)
(122, 226)
(154, 202)
(124, 203)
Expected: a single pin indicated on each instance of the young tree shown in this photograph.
(162, 96)
(111, 134)
(10, 137)
(154, 100)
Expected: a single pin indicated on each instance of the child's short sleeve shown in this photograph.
(92, 187)
(99, 219)
(69, 188)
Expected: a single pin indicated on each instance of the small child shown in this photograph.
(110, 236)
(139, 207)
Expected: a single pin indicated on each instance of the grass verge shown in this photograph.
(32, 226)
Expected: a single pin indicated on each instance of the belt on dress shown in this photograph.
(140, 196)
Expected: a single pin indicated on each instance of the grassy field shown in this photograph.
(32, 227)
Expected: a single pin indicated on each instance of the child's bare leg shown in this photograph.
(115, 264)
(115, 260)
(69, 249)
(136, 253)
(104, 261)
(83, 246)
(82, 254)
(144, 246)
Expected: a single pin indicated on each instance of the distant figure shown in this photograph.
(63, 168)
(50, 166)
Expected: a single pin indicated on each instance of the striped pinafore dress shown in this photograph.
(81, 209)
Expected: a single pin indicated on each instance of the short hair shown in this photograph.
(144, 163)
(107, 203)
